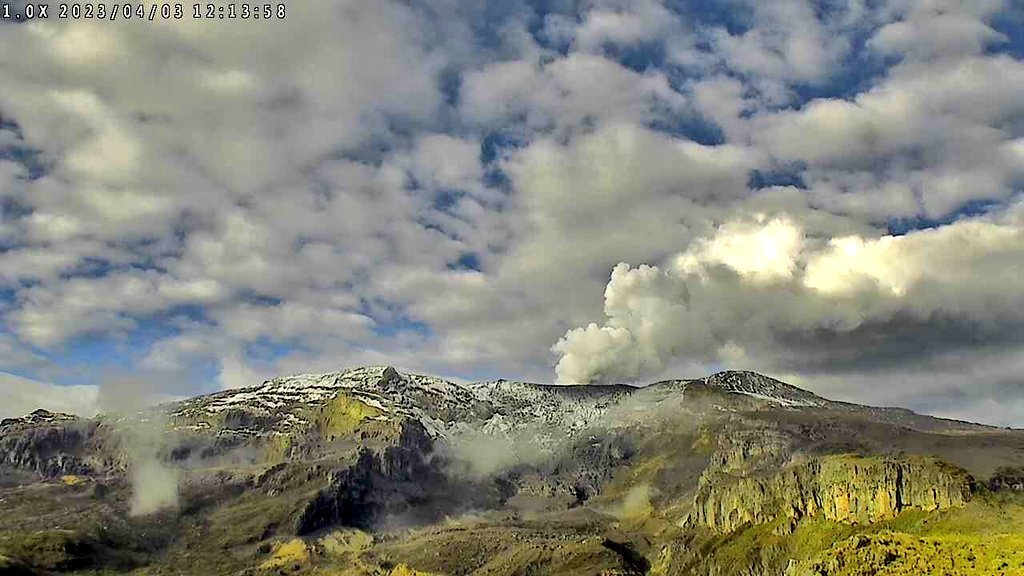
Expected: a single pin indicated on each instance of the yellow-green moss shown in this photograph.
(900, 554)
(46, 549)
(705, 442)
(342, 416)
(291, 556)
(974, 540)
(404, 570)
(343, 543)
(278, 448)
(844, 488)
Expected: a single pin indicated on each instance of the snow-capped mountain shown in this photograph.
(762, 387)
(382, 394)
(284, 404)
(443, 407)
(372, 465)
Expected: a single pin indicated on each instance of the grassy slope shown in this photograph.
(243, 533)
(984, 537)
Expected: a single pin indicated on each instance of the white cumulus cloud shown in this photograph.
(761, 284)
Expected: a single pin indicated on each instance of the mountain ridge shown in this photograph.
(375, 471)
(723, 380)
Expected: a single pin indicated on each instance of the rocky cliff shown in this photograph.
(840, 488)
(53, 445)
(733, 474)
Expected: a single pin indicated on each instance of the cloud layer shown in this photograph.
(825, 190)
(768, 286)
(23, 396)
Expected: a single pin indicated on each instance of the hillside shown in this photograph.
(375, 471)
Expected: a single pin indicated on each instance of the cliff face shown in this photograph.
(52, 445)
(375, 485)
(708, 477)
(842, 488)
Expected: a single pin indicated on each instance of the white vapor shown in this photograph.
(143, 434)
(757, 282)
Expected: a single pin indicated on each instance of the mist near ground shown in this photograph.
(145, 437)
(478, 453)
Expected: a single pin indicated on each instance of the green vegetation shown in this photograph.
(287, 557)
(1007, 478)
(502, 550)
(12, 567)
(342, 416)
(48, 549)
(984, 537)
(268, 493)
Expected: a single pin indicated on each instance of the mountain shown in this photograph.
(376, 471)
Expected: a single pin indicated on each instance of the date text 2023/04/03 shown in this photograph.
(141, 11)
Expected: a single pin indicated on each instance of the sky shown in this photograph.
(829, 192)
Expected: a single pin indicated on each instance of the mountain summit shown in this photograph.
(372, 470)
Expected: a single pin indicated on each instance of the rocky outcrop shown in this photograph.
(842, 488)
(758, 447)
(761, 387)
(365, 492)
(1007, 478)
(405, 480)
(51, 445)
(901, 553)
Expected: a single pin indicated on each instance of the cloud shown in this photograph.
(927, 30)
(142, 156)
(981, 384)
(786, 42)
(23, 395)
(623, 23)
(447, 187)
(443, 161)
(235, 373)
(88, 304)
(627, 178)
(926, 141)
(620, 192)
(757, 285)
(565, 94)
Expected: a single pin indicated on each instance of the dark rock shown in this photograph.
(52, 446)
(634, 561)
(406, 480)
(1007, 478)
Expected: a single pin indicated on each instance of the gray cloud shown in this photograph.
(756, 286)
(315, 182)
(23, 395)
